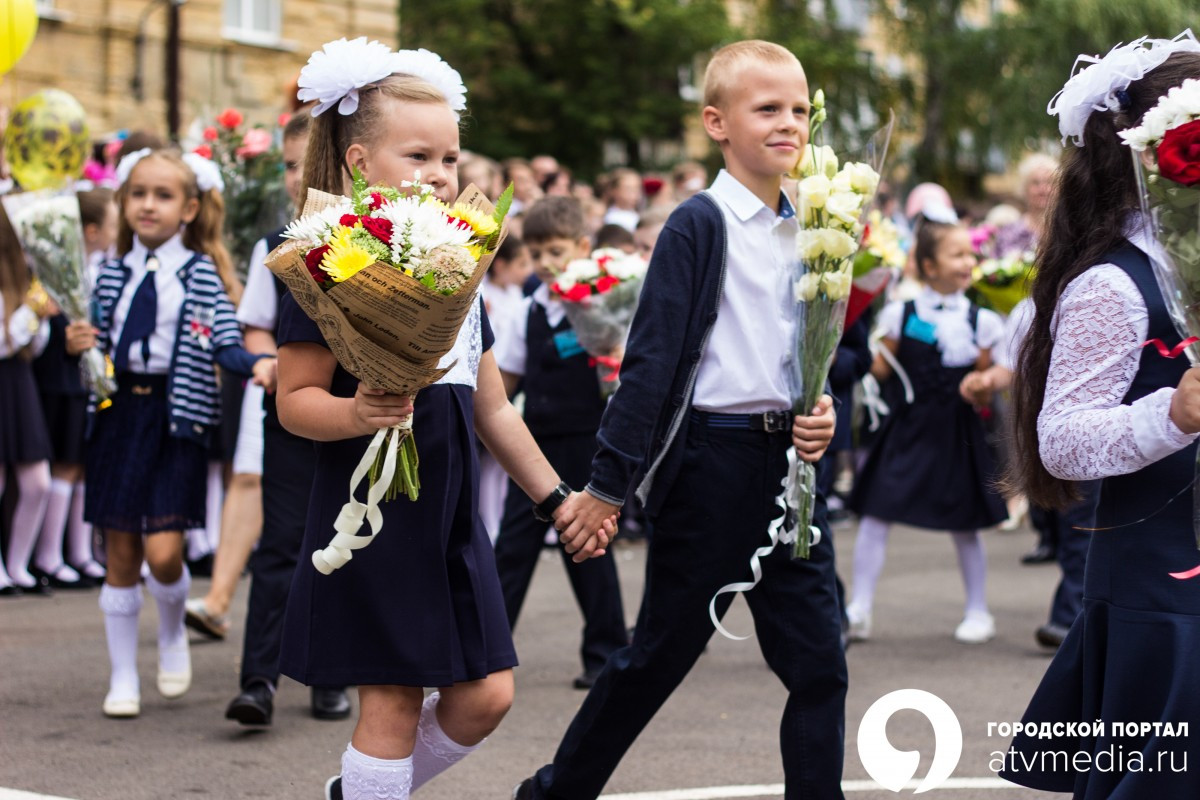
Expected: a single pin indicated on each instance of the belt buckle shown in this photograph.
(776, 421)
(141, 391)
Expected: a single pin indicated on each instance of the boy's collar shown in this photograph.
(743, 202)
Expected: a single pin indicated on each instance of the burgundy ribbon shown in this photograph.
(1174, 352)
(613, 364)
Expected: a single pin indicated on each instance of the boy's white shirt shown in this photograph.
(511, 337)
(260, 305)
(744, 369)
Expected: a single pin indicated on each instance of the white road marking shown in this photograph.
(703, 793)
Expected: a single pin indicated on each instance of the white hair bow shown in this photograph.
(335, 73)
(1096, 87)
(128, 162)
(208, 174)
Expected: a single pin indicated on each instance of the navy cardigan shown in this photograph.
(646, 421)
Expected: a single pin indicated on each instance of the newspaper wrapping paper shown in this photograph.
(389, 331)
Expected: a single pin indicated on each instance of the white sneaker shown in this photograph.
(859, 624)
(977, 627)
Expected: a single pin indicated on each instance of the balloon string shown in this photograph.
(1147, 518)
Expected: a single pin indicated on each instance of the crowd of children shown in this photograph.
(692, 447)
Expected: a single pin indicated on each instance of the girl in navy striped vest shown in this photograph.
(1093, 402)
(165, 320)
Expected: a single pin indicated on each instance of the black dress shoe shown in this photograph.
(523, 790)
(10, 591)
(41, 585)
(1039, 555)
(587, 680)
(254, 706)
(56, 582)
(1051, 635)
(333, 788)
(330, 703)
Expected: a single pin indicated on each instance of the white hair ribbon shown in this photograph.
(208, 174)
(125, 167)
(1096, 87)
(336, 72)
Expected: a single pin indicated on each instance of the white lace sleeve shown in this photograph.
(1084, 430)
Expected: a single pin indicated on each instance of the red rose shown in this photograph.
(578, 292)
(204, 150)
(284, 119)
(605, 283)
(1179, 154)
(377, 201)
(381, 229)
(230, 118)
(313, 262)
(210, 134)
(349, 219)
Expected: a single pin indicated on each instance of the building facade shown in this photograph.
(111, 55)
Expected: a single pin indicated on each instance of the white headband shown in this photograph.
(208, 175)
(335, 73)
(1096, 87)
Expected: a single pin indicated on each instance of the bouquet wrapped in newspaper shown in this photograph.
(600, 295)
(832, 201)
(48, 226)
(1166, 155)
(389, 279)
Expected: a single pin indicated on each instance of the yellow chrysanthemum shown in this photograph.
(476, 251)
(344, 258)
(482, 224)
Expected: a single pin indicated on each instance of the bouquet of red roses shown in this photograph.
(600, 295)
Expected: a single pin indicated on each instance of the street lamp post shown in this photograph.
(171, 55)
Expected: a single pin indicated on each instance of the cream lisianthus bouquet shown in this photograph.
(832, 199)
(47, 223)
(1166, 156)
(599, 296)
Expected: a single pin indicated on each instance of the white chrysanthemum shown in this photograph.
(430, 68)
(418, 228)
(1180, 106)
(621, 265)
(313, 228)
(336, 72)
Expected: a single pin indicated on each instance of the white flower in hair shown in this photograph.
(125, 167)
(208, 174)
(1097, 87)
(430, 67)
(336, 72)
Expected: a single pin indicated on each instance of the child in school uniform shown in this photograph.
(24, 442)
(937, 440)
(703, 413)
(64, 401)
(165, 320)
(1093, 402)
(421, 608)
(563, 406)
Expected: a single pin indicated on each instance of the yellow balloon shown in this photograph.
(18, 24)
(47, 142)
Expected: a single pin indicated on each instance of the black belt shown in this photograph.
(767, 422)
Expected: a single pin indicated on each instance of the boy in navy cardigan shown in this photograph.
(563, 406)
(702, 419)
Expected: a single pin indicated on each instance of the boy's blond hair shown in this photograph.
(722, 70)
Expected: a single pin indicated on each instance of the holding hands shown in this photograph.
(375, 409)
(586, 525)
(266, 373)
(811, 435)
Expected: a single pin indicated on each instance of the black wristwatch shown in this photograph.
(544, 511)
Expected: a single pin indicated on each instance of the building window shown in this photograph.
(253, 21)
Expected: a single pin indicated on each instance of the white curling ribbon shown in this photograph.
(872, 400)
(894, 363)
(343, 544)
(778, 534)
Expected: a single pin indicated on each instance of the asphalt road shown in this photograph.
(718, 730)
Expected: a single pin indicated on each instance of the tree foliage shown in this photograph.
(566, 76)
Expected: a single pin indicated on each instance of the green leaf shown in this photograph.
(359, 194)
(503, 204)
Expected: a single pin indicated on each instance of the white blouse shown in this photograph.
(950, 316)
(1084, 430)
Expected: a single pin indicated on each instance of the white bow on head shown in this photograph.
(335, 73)
(1095, 87)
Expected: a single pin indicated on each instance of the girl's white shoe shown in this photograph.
(122, 707)
(859, 624)
(977, 627)
(172, 684)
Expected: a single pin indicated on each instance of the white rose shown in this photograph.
(863, 179)
(814, 191)
(806, 288)
(812, 244)
(845, 207)
(836, 284)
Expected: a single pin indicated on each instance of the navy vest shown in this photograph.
(562, 392)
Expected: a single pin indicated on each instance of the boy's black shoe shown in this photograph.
(333, 788)
(586, 680)
(330, 703)
(1042, 554)
(254, 706)
(523, 790)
